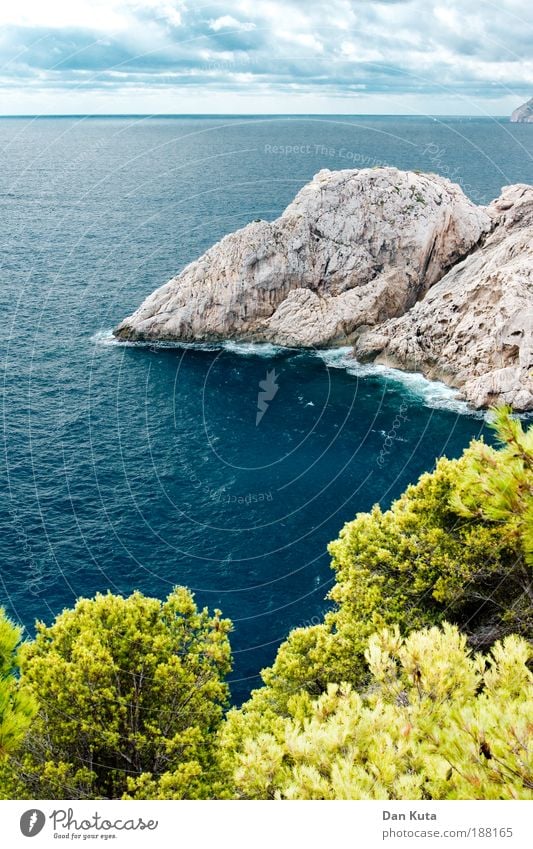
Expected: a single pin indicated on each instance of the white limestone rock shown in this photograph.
(524, 113)
(354, 248)
(474, 328)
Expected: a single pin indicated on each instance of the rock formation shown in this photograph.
(353, 249)
(474, 329)
(524, 113)
(400, 264)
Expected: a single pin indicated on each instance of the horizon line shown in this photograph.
(248, 115)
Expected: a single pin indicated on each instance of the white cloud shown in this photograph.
(325, 50)
(96, 14)
(228, 22)
(449, 18)
(358, 52)
(171, 14)
(304, 39)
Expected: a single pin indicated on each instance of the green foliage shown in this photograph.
(436, 723)
(433, 722)
(497, 486)
(130, 694)
(454, 546)
(16, 707)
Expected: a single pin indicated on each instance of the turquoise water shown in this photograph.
(135, 467)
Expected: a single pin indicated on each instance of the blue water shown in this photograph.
(129, 467)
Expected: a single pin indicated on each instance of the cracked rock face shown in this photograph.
(474, 329)
(353, 249)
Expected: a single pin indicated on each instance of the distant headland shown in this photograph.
(524, 113)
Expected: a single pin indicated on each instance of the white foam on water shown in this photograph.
(243, 349)
(254, 349)
(432, 393)
(105, 337)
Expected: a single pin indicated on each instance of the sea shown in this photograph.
(129, 467)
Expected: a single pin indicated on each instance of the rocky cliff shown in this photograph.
(353, 249)
(474, 329)
(402, 265)
(524, 113)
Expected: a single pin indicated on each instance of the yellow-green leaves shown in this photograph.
(436, 722)
(382, 700)
(455, 546)
(497, 485)
(130, 691)
(16, 707)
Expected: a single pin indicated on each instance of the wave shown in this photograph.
(105, 337)
(432, 393)
(243, 349)
(255, 349)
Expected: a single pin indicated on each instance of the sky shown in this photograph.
(459, 57)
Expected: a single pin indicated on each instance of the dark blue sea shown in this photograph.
(140, 468)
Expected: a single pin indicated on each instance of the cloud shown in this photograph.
(226, 21)
(394, 48)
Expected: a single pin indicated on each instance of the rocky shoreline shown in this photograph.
(399, 264)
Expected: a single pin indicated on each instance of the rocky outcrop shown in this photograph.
(524, 113)
(400, 264)
(353, 249)
(474, 329)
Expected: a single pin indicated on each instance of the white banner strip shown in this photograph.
(272, 825)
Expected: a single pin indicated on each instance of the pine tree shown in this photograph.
(16, 707)
(130, 694)
(453, 547)
(436, 722)
(497, 485)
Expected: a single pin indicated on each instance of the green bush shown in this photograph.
(435, 723)
(131, 692)
(455, 546)
(17, 708)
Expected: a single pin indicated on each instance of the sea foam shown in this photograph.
(243, 349)
(432, 393)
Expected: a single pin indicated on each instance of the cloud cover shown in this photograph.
(265, 55)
